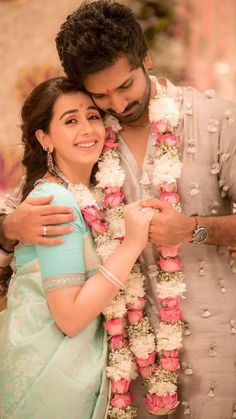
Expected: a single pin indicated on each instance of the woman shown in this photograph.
(53, 348)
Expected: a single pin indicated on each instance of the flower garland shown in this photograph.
(131, 339)
(132, 343)
(160, 378)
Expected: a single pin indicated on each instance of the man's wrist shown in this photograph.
(190, 227)
(6, 244)
(200, 232)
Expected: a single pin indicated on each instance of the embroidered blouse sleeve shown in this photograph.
(62, 265)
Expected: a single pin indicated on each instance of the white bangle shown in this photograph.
(110, 277)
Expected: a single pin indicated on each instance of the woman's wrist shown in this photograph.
(133, 245)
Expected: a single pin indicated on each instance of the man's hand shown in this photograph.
(168, 226)
(26, 223)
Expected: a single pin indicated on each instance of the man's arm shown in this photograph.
(169, 227)
(26, 223)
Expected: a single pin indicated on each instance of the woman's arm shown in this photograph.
(73, 308)
(73, 301)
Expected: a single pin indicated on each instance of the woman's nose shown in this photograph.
(86, 127)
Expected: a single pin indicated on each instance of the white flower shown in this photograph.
(83, 195)
(116, 308)
(164, 108)
(121, 366)
(143, 345)
(134, 287)
(111, 121)
(162, 388)
(169, 336)
(105, 250)
(166, 169)
(170, 289)
(116, 223)
(110, 173)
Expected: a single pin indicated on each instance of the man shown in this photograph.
(101, 47)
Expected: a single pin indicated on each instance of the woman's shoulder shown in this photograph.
(61, 195)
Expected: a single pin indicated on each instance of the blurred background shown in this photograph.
(193, 42)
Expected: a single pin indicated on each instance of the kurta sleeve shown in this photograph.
(62, 265)
(227, 152)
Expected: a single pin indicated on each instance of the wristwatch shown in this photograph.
(200, 233)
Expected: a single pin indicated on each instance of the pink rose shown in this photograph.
(173, 353)
(113, 200)
(170, 364)
(121, 400)
(95, 219)
(147, 361)
(114, 327)
(117, 342)
(138, 304)
(147, 371)
(110, 134)
(159, 127)
(170, 314)
(155, 403)
(167, 139)
(98, 227)
(168, 187)
(121, 386)
(170, 265)
(171, 197)
(168, 251)
(134, 316)
(170, 302)
(92, 213)
(110, 144)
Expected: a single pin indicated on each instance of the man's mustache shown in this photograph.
(127, 109)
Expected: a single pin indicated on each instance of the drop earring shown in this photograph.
(50, 162)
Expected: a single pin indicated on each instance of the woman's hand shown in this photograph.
(137, 222)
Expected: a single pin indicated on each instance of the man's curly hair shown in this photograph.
(96, 35)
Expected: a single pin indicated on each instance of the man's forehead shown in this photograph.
(109, 79)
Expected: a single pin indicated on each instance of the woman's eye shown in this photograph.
(94, 117)
(71, 121)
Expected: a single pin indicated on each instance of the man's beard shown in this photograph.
(139, 107)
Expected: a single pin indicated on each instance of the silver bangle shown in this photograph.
(110, 277)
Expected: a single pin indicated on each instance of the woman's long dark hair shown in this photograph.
(36, 113)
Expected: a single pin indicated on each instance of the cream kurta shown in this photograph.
(207, 385)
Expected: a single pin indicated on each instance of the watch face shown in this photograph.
(200, 235)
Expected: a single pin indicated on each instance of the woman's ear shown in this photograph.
(147, 62)
(43, 140)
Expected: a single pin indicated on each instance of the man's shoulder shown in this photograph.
(209, 98)
(209, 104)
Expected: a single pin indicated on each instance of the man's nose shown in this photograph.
(118, 104)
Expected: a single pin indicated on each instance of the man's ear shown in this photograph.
(147, 62)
